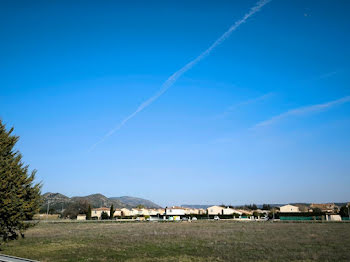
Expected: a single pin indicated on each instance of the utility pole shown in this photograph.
(349, 210)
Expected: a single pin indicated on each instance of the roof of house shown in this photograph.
(174, 207)
(328, 205)
(288, 205)
(215, 206)
(101, 209)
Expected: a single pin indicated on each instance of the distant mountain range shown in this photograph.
(135, 201)
(58, 201)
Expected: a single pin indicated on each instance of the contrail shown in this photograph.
(304, 110)
(244, 103)
(172, 79)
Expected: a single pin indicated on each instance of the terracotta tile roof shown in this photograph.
(324, 206)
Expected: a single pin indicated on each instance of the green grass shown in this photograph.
(197, 241)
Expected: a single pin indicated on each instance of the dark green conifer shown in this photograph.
(111, 212)
(88, 215)
(20, 197)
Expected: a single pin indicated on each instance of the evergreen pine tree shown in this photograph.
(20, 198)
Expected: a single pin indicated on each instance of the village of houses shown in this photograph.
(326, 212)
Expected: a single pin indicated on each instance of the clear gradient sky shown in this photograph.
(264, 118)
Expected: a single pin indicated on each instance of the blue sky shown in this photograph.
(263, 118)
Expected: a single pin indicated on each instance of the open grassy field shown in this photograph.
(183, 241)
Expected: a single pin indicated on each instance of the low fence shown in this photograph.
(6, 258)
(282, 218)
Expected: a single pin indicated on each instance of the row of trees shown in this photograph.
(254, 207)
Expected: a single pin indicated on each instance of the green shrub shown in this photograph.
(104, 215)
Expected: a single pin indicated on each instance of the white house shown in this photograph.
(289, 208)
(174, 211)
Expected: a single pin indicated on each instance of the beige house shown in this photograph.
(187, 210)
(81, 217)
(244, 211)
(329, 207)
(202, 211)
(194, 211)
(289, 208)
(153, 212)
(125, 212)
(117, 213)
(97, 212)
(215, 210)
(145, 211)
(161, 211)
(191, 211)
(136, 212)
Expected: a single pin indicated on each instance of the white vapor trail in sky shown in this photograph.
(173, 78)
(304, 110)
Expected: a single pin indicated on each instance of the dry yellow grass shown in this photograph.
(199, 241)
(45, 217)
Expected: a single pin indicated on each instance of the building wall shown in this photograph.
(136, 212)
(215, 210)
(126, 212)
(227, 211)
(174, 212)
(202, 211)
(231, 211)
(117, 213)
(289, 208)
(97, 213)
(81, 217)
(161, 211)
(333, 217)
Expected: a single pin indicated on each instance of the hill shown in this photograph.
(58, 202)
(99, 200)
(135, 201)
(57, 197)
